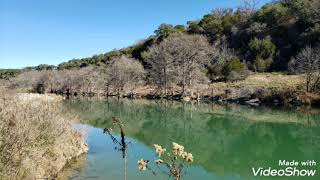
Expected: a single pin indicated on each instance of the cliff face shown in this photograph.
(37, 138)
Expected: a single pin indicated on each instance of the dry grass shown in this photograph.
(36, 138)
(270, 81)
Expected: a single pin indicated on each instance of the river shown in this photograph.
(226, 140)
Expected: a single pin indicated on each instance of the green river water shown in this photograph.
(226, 140)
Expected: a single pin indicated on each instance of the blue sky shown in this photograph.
(36, 32)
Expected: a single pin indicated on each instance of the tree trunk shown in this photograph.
(165, 82)
(308, 82)
(316, 82)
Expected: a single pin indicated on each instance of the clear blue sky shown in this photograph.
(36, 32)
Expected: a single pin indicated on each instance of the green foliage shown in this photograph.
(142, 47)
(262, 48)
(84, 62)
(312, 34)
(263, 51)
(213, 71)
(42, 67)
(272, 14)
(194, 27)
(164, 30)
(212, 25)
(180, 28)
(217, 24)
(307, 11)
(228, 21)
(233, 66)
(9, 73)
(234, 70)
(97, 58)
(74, 63)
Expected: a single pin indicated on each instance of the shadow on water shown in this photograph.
(226, 140)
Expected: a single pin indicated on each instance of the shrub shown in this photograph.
(262, 65)
(233, 66)
(234, 70)
(262, 48)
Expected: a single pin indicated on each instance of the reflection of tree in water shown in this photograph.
(224, 139)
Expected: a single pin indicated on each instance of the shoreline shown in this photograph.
(250, 97)
(258, 89)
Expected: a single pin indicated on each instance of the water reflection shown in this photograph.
(226, 140)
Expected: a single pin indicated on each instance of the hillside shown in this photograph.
(225, 46)
(276, 32)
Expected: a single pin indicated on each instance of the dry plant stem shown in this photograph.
(124, 147)
(122, 142)
(125, 168)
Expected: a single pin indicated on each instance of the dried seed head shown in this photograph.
(189, 158)
(159, 150)
(142, 164)
(159, 161)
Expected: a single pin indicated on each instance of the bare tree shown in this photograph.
(307, 62)
(106, 77)
(179, 59)
(220, 12)
(38, 81)
(87, 80)
(248, 8)
(191, 55)
(162, 69)
(68, 81)
(122, 74)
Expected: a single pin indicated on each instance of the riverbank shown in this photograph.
(256, 89)
(266, 89)
(36, 136)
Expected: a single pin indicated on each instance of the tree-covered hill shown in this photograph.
(264, 39)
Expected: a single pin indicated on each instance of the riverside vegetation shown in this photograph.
(36, 136)
(189, 61)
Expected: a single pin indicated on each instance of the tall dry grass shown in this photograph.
(36, 136)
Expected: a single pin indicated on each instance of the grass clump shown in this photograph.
(36, 136)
